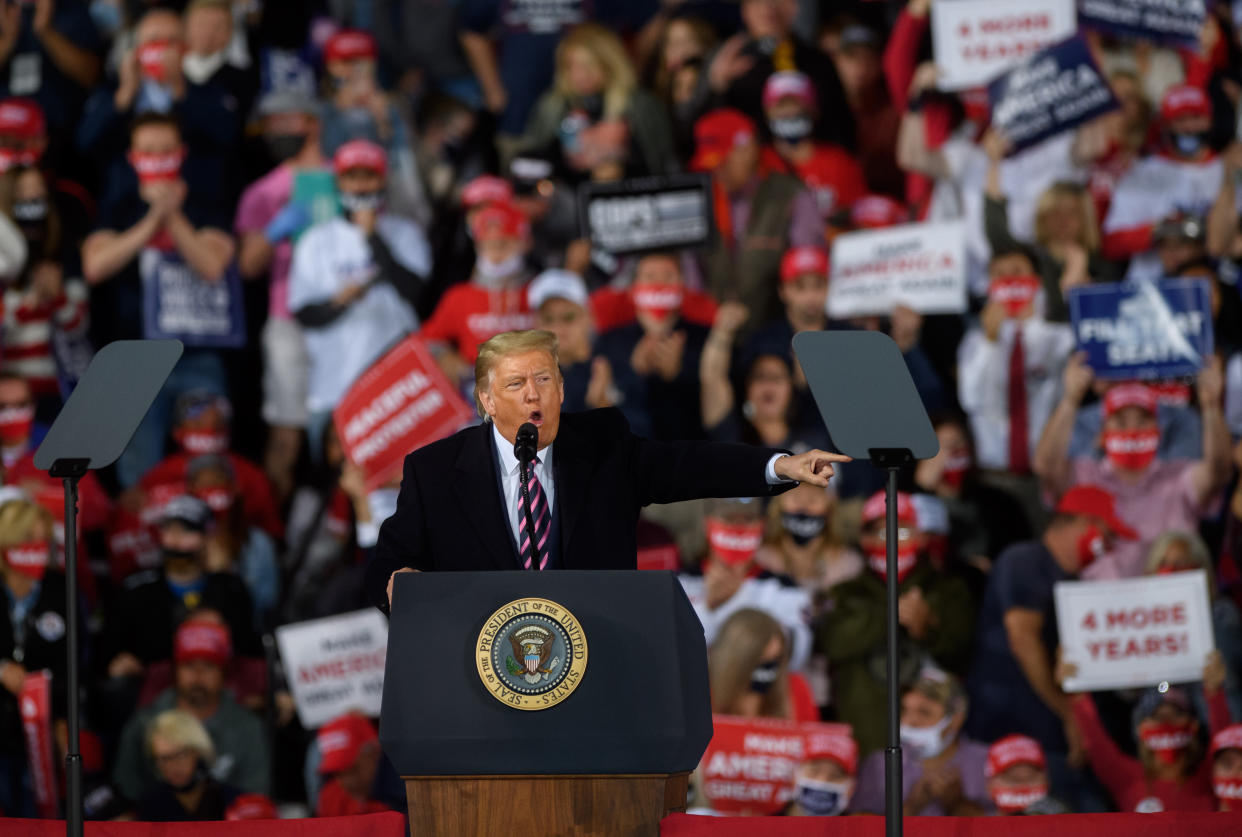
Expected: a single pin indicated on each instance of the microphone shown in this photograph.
(526, 443)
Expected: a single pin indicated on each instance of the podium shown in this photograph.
(526, 703)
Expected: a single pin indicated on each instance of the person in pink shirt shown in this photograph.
(267, 223)
(1154, 494)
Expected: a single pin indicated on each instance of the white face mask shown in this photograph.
(822, 799)
(493, 274)
(928, 741)
(199, 68)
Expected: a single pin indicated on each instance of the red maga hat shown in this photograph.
(360, 154)
(1093, 501)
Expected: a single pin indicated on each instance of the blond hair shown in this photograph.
(182, 730)
(19, 521)
(736, 653)
(1090, 236)
(1196, 551)
(501, 346)
(607, 51)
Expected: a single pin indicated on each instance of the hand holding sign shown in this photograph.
(1210, 384)
(1077, 378)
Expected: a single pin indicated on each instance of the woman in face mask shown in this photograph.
(824, 781)
(1170, 772)
(182, 753)
(1017, 775)
(833, 175)
(747, 665)
(1175, 552)
(1226, 757)
(801, 541)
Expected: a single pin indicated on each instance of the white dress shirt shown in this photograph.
(983, 383)
(790, 606)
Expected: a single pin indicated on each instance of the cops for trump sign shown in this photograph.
(1136, 631)
(1144, 330)
(922, 266)
(649, 213)
(1055, 90)
(976, 40)
(335, 665)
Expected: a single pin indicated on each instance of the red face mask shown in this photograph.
(955, 469)
(201, 442)
(734, 543)
(151, 58)
(1014, 799)
(907, 558)
(1091, 545)
(15, 424)
(1014, 293)
(657, 300)
(1166, 740)
(29, 559)
(157, 168)
(1228, 791)
(220, 500)
(1132, 450)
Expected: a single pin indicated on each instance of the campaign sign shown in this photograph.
(398, 405)
(648, 213)
(976, 40)
(1143, 330)
(922, 266)
(749, 764)
(35, 701)
(179, 304)
(1056, 89)
(1173, 22)
(1134, 632)
(335, 665)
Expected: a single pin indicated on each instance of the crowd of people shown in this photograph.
(294, 188)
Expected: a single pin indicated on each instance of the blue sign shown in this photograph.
(1055, 90)
(178, 303)
(1144, 330)
(1172, 22)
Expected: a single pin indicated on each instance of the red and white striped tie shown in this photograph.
(539, 511)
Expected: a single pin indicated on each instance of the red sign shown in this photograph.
(35, 700)
(398, 405)
(749, 765)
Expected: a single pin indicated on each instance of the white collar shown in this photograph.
(508, 462)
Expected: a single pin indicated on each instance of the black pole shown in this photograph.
(524, 480)
(892, 753)
(73, 759)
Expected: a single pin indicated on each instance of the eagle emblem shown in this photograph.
(532, 658)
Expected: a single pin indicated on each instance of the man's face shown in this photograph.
(199, 683)
(1176, 250)
(1012, 264)
(155, 139)
(15, 393)
(740, 164)
(174, 763)
(805, 298)
(357, 181)
(859, 69)
(1131, 418)
(1228, 764)
(1021, 775)
(525, 387)
(159, 25)
(207, 30)
(822, 770)
(176, 536)
(656, 270)
(571, 324)
(768, 18)
(497, 248)
(359, 778)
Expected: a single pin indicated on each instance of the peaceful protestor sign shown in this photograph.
(1174, 22)
(1134, 632)
(1056, 89)
(974, 41)
(335, 665)
(649, 213)
(922, 266)
(1144, 330)
(398, 405)
(749, 765)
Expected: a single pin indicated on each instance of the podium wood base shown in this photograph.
(543, 806)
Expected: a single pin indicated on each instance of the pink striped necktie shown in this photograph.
(543, 521)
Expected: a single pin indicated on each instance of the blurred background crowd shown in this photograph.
(335, 175)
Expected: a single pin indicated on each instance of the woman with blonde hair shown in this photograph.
(596, 122)
(804, 540)
(748, 668)
(182, 752)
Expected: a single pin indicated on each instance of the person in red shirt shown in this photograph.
(1170, 772)
(1225, 755)
(202, 427)
(350, 754)
(833, 175)
(494, 300)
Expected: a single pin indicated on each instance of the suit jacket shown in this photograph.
(449, 514)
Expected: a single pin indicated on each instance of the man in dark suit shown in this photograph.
(459, 507)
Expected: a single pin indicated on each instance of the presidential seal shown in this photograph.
(531, 654)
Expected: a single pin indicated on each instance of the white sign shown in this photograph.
(1136, 631)
(922, 266)
(335, 664)
(974, 41)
